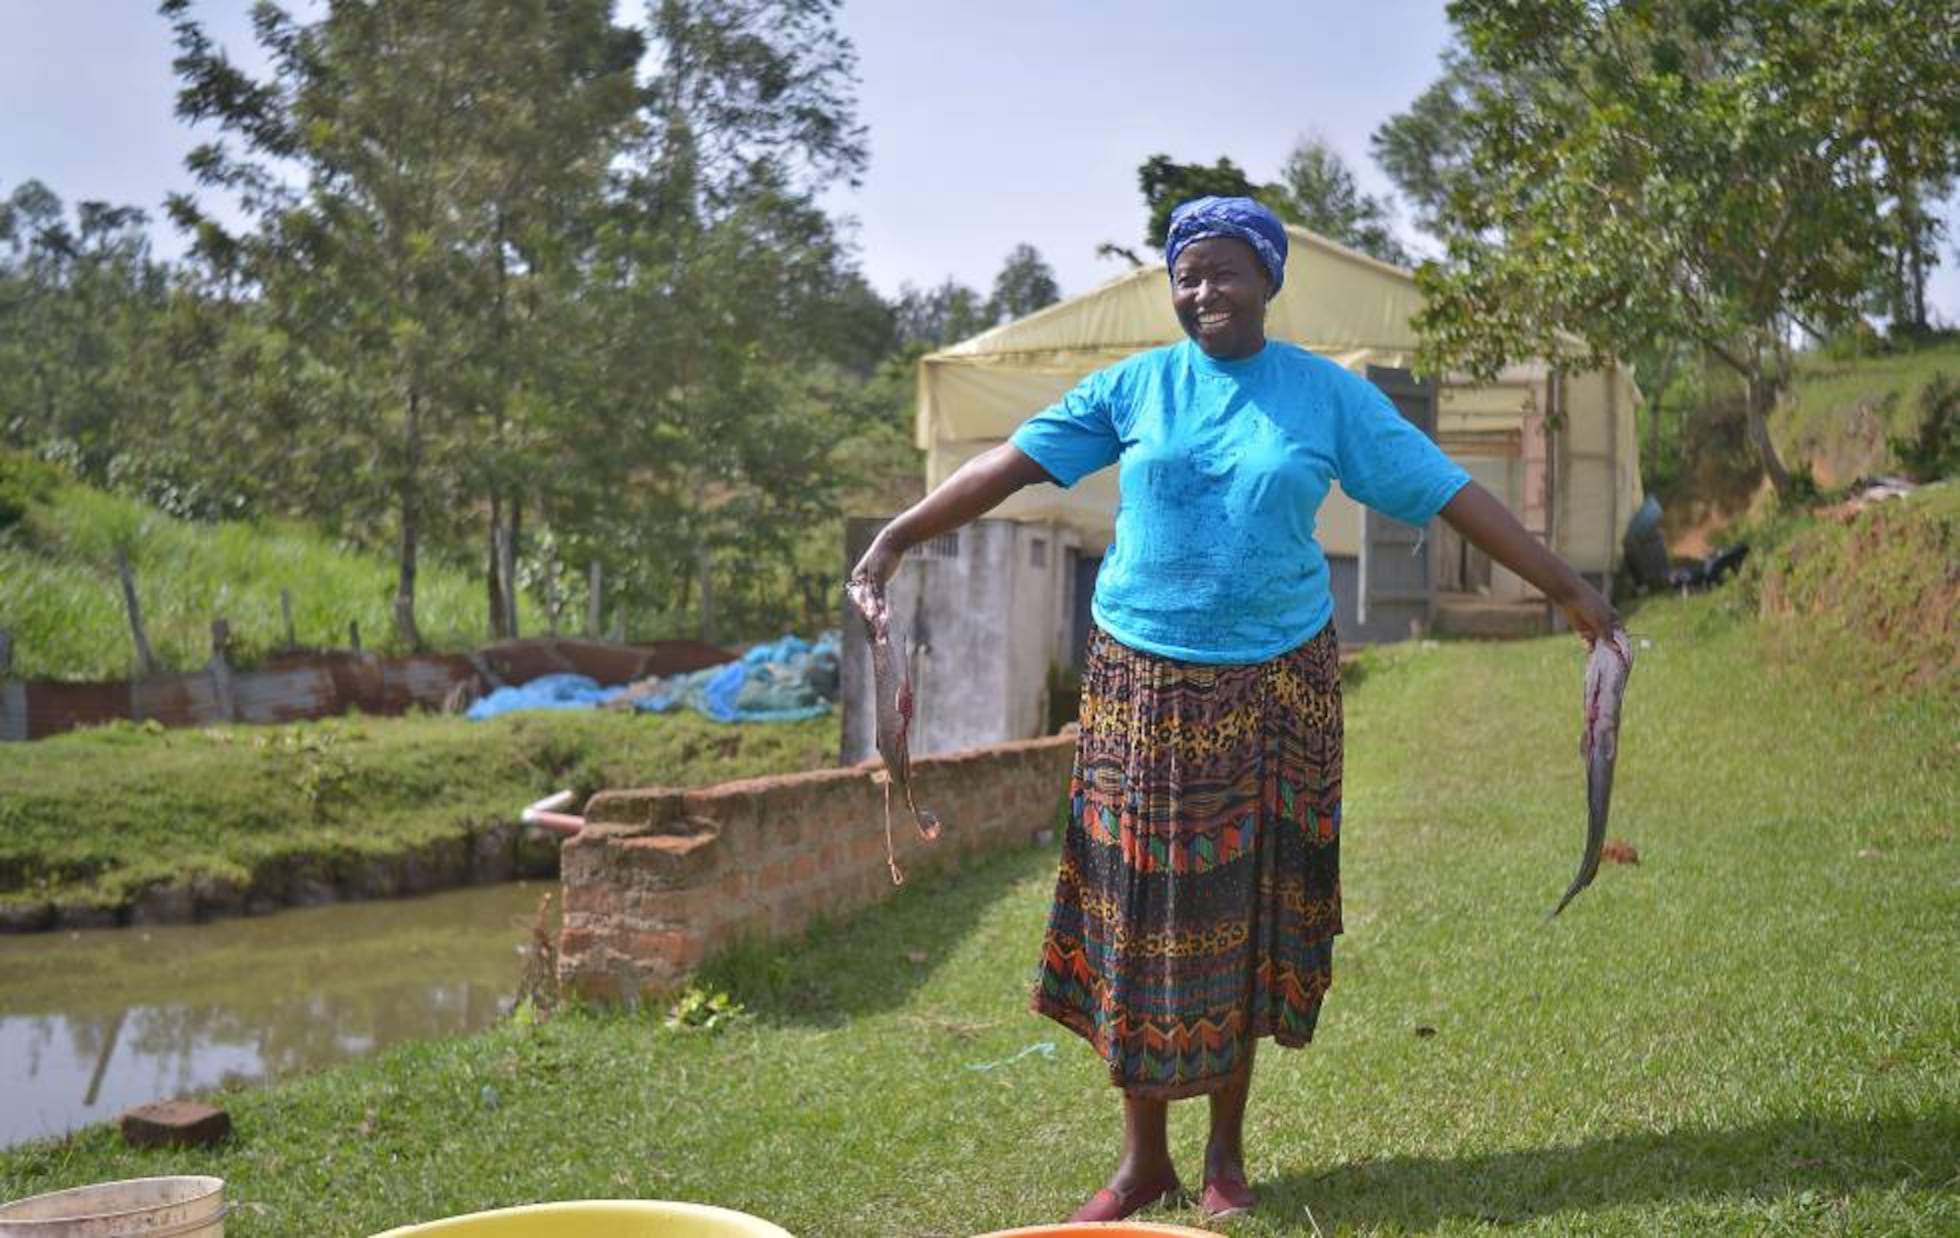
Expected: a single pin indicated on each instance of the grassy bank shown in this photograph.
(1751, 1031)
(1875, 595)
(97, 817)
(60, 595)
(1842, 414)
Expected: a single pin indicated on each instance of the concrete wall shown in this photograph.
(660, 879)
(985, 610)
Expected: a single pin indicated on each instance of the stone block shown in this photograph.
(493, 852)
(217, 896)
(175, 1123)
(30, 916)
(310, 883)
(537, 852)
(666, 950)
(165, 902)
(578, 939)
(85, 916)
(372, 876)
(591, 985)
(439, 864)
(592, 898)
(667, 861)
(648, 808)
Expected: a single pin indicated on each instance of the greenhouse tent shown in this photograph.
(1575, 484)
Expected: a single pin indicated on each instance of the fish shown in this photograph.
(1599, 744)
(891, 675)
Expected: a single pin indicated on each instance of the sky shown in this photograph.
(990, 124)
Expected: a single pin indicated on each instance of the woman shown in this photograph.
(1199, 892)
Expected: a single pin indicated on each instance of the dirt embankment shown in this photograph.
(1874, 591)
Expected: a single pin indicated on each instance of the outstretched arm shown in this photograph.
(975, 488)
(1489, 526)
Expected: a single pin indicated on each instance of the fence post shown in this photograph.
(592, 578)
(554, 597)
(221, 670)
(145, 659)
(13, 693)
(507, 579)
(354, 634)
(286, 612)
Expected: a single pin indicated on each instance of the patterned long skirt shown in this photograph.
(1200, 892)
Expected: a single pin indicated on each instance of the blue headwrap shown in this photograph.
(1242, 219)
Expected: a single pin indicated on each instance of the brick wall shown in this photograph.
(660, 879)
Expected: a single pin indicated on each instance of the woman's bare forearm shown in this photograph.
(1489, 526)
(974, 489)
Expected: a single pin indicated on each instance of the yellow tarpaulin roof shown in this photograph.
(1336, 301)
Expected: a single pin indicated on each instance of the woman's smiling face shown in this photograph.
(1219, 288)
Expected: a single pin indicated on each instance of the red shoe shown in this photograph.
(1109, 1205)
(1227, 1197)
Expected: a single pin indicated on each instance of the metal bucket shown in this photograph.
(136, 1208)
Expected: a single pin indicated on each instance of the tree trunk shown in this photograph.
(405, 629)
(499, 624)
(503, 620)
(511, 549)
(1915, 254)
(704, 568)
(1761, 395)
(1923, 258)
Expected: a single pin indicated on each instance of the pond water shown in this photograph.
(94, 1022)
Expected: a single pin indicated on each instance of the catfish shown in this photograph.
(1599, 744)
(891, 675)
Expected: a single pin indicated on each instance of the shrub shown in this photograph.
(23, 481)
(1932, 451)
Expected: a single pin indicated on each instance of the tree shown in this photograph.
(1025, 284)
(1318, 191)
(1913, 226)
(78, 302)
(514, 269)
(1709, 173)
(940, 315)
(729, 321)
(1426, 150)
(1166, 184)
(442, 150)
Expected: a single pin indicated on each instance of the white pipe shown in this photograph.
(545, 814)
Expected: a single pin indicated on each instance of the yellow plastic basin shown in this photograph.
(598, 1218)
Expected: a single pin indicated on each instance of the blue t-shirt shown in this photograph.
(1224, 467)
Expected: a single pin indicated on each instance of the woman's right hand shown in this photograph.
(877, 565)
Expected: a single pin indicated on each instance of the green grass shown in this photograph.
(60, 595)
(1752, 1031)
(95, 816)
(1840, 412)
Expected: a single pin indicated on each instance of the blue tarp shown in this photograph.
(544, 692)
(784, 680)
(788, 649)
